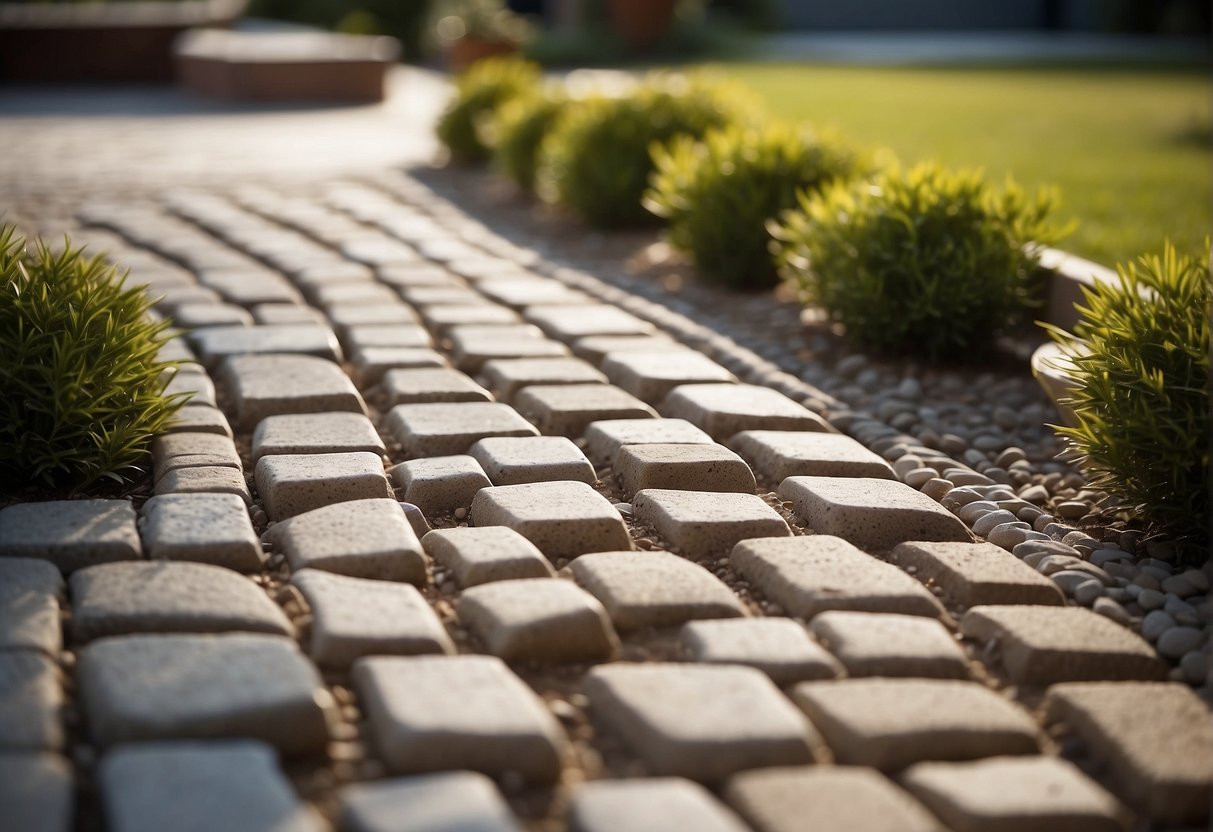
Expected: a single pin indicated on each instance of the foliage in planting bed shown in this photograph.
(481, 90)
(519, 130)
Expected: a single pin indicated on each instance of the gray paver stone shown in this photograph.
(513, 460)
(445, 429)
(779, 454)
(595, 348)
(431, 385)
(563, 519)
(36, 792)
(200, 418)
(30, 591)
(372, 364)
(568, 323)
(441, 317)
(197, 383)
(459, 801)
(480, 556)
(440, 484)
(343, 316)
(680, 466)
(315, 433)
(190, 450)
(505, 377)
(206, 528)
(522, 292)
(472, 346)
(386, 336)
(977, 573)
(196, 315)
(605, 439)
(291, 484)
(217, 343)
(31, 699)
(70, 533)
(567, 409)
(272, 385)
(433, 713)
(650, 376)
(881, 644)
(650, 805)
(724, 410)
(701, 523)
(205, 479)
(779, 647)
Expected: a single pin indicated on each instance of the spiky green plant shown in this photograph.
(479, 92)
(83, 389)
(521, 125)
(1140, 369)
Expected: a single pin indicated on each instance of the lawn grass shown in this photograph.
(1128, 147)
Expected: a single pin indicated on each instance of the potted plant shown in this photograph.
(641, 23)
(468, 30)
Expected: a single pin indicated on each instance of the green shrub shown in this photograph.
(403, 21)
(718, 194)
(930, 261)
(83, 388)
(596, 159)
(1141, 395)
(483, 88)
(521, 125)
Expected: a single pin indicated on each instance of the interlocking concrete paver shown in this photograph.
(453, 294)
(37, 793)
(30, 591)
(205, 479)
(809, 575)
(425, 385)
(195, 315)
(563, 518)
(893, 723)
(164, 597)
(872, 513)
(247, 288)
(724, 410)
(653, 804)
(702, 722)
(160, 687)
(850, 798)
(235, 786)
(700, 523)
(435, 713)
(291, 484)
(1008, 794)
(438, 484)
(31, 698)
(650, 376)
(604, 439)
(207, 528)
(444, 429)
(345, 316)
(654, 589)
(473, 345)
(506, 376)
(441, 317)
(286, 314)
(779, 454)
(977, 573)
(458, 800)
(779, 647)
(355, 617)
(523, 292)
(191, 450)
(1154, 740)
(1045, 645)
(568, 323)
(688, 467)
(70, 533)
(480, 556)
(271, 385)
(217, 343)
(595, 348)
(567, 409)
(200, 418)
(315, 433)
(360, 538)
(359, 338)
(196, 383)
(354, 294)
(522, 459)
(538, 620)
(881, 644)
(371, 364)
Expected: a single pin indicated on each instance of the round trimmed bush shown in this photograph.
(718, 194)
(479, 92)
(927, 261)
(521, 125)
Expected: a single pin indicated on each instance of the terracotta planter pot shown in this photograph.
(641, 22)
(467, 50)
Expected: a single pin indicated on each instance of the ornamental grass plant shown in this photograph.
(519, 130)
(480, 92)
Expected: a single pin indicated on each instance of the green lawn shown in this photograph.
(1128, 148)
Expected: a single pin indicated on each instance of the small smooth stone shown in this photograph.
(1072, 510)
(1179, 585)
(1108, 608)
(1009, 535)
(987, 522)
(936, 488)
(972, 512)
(1151, 599)
(1070, 581)
(1086, 592)
(1195, 667)
(1177, 641)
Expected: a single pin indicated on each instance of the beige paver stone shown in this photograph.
(654, 589)
(977, 573)
(882, 644)
(595, 348)
(344, 316)
(358, 339)
(457, 800)
(702, 722)
(604, 439)
(31, 701)
(286, 314)
(1046, 645)
(378, 251)
(30, 591)
(37, 793)
(291, 484)
(522, 459)
(1153, 739)
(842, 798)
(648, 805)
(270, 385)
(362, 293)
(567, 409)
(200, 418)
(779, 647)
(372, 363)
(724, 410)
(443, 429)
(161, 687)
(811, 574)
(522, 292)
(779, 454)
(361, 538)
(426, 385)
(163, 597)
(216, 343)
(893, 723)
(1009, 794)
(441, 317)
(355, 617)
(70, 533)
(700, 523)
(473, 345)
(190, 450)
(196, 315)
(206, 528)
(507, 376)
(872, 513)
(650, 376)
(439, 484)
(483, 555)
(247, 288)
(195, 382)
(417, 275)
(563, 519)
(539, 620)
(682, 466)
(434, 713)
(567, 323)
(315, 433)
(235, 786)
(205, 479)
(457, 294)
